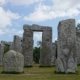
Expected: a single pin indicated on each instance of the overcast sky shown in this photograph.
(15, 13)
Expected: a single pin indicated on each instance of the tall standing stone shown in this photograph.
(28, 47)
(67, 58)
(1, 53)
(45, 55)
(78, 45)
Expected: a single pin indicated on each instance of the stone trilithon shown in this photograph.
(46, 49)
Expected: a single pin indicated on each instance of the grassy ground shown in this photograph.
(40, 73)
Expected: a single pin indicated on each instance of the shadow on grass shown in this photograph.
(76, 73)
(3, 72)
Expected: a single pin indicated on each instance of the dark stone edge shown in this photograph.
(28, 66)
(46, 66)
(13, 72)
(66, 73)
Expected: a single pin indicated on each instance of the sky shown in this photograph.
(15, 13)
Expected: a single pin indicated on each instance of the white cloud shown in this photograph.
(15, 32)
(40, 14)
(12, 15)
(6, 18)
(23, 2)
(19, 2)
(2, 2)
(2, 32)
(11, 32)
(60, 8)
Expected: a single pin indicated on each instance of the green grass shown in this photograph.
(40, 73)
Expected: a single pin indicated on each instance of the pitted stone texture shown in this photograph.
(17, 43)
(78, 45)
(35, 27)
(1, 53)
(46, 50)
(13, 62)
(45, 56)
(28, 47)
(67, 58)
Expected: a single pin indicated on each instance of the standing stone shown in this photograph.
(78, 45)
(45, 55)
(17, 43)
(13, 62)
(67, 58)
(28, 47)
(1, 53)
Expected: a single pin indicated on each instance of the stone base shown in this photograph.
(28, 66)
(12, 72)
(45, 66)
(59, 72)
(65, 72)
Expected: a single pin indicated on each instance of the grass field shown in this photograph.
(40, 73)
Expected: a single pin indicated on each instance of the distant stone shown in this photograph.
(17, 44)
(13, 62)
(1, 53)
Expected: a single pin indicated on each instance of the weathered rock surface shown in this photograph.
(1, 53)
(78, 45)
(13, 62)
(17, 44)
(67, 58)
